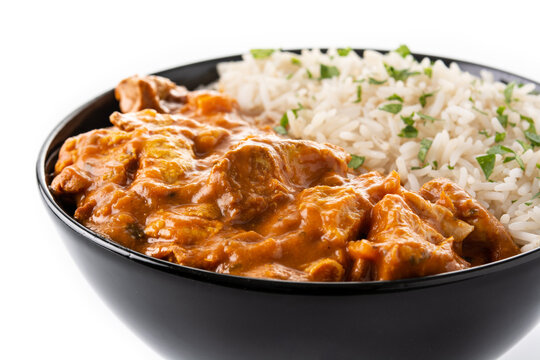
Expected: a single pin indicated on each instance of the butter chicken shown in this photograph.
(186, 177)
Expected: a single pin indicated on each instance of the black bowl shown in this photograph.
(195, 314)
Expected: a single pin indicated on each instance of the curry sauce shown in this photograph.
(188, 178)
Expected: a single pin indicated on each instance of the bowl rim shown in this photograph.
(260, 284)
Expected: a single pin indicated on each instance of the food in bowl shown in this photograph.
(197, 178)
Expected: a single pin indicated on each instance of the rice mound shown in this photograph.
(458, 113)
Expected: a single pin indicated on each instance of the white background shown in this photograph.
(56, 55)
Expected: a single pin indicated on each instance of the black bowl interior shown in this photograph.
(95, 114)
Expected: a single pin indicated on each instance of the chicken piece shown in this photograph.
(260, 173)
(326, 270)
(150, 92)
(438, 217)
(401, 245)
(205, 138)
(375, 186)
(489, 241)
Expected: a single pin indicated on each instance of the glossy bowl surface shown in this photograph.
(186, 313)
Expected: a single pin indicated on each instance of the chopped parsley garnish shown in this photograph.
(425, 144)
(309, 74)
(502, 150)
(508, 159)
(429, 72)
(435, 165)
(356, 161)
(508, 92)
(533, 138)
(530, 133)
(328, 72)
(524, 145)
(423, 98)
(418, 167)
(500, 136)
(536, 195)
(487, 164)
(261, 53)
(289, 76)
(395, 97)
(528, 203)
(409, 131)
(284, 122)
(503, 119)
(408, 120)
(391, 108)
(376, 82)
(427, 117)
(399, 74)
(451, 167)
(403, 50)
(480, 111)
(358, 94)
(280, 130)
(296, 61)
(344, 52)
(484, 132)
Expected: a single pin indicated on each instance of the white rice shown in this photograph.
(463, 104)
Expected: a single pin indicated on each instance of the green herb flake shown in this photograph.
(328, 72)
(423, 98)
(408, 120)
(356, 161)
(501, 149)
(536, 195)
(296, 61)
(427, 117)
(289, 76)
(503, 119)
(373, 81)
(508, 159)
(280, 130)
(261, 53)
(391, 108)
(487, 164)
(403, 50)
(284, 122)
(451, 167)
(524, 145)
(358, 94)
(399, 74)
(435, 164)
(500, 136)
(344, 52)
(533, 138)
(508, 92)
(484, 132)
(309, 74)
(480, 111)
(419, 167)
(429, 72)
(538, 166)
(528, 203)
(395, 97)
(408, 132)
(425, 144)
